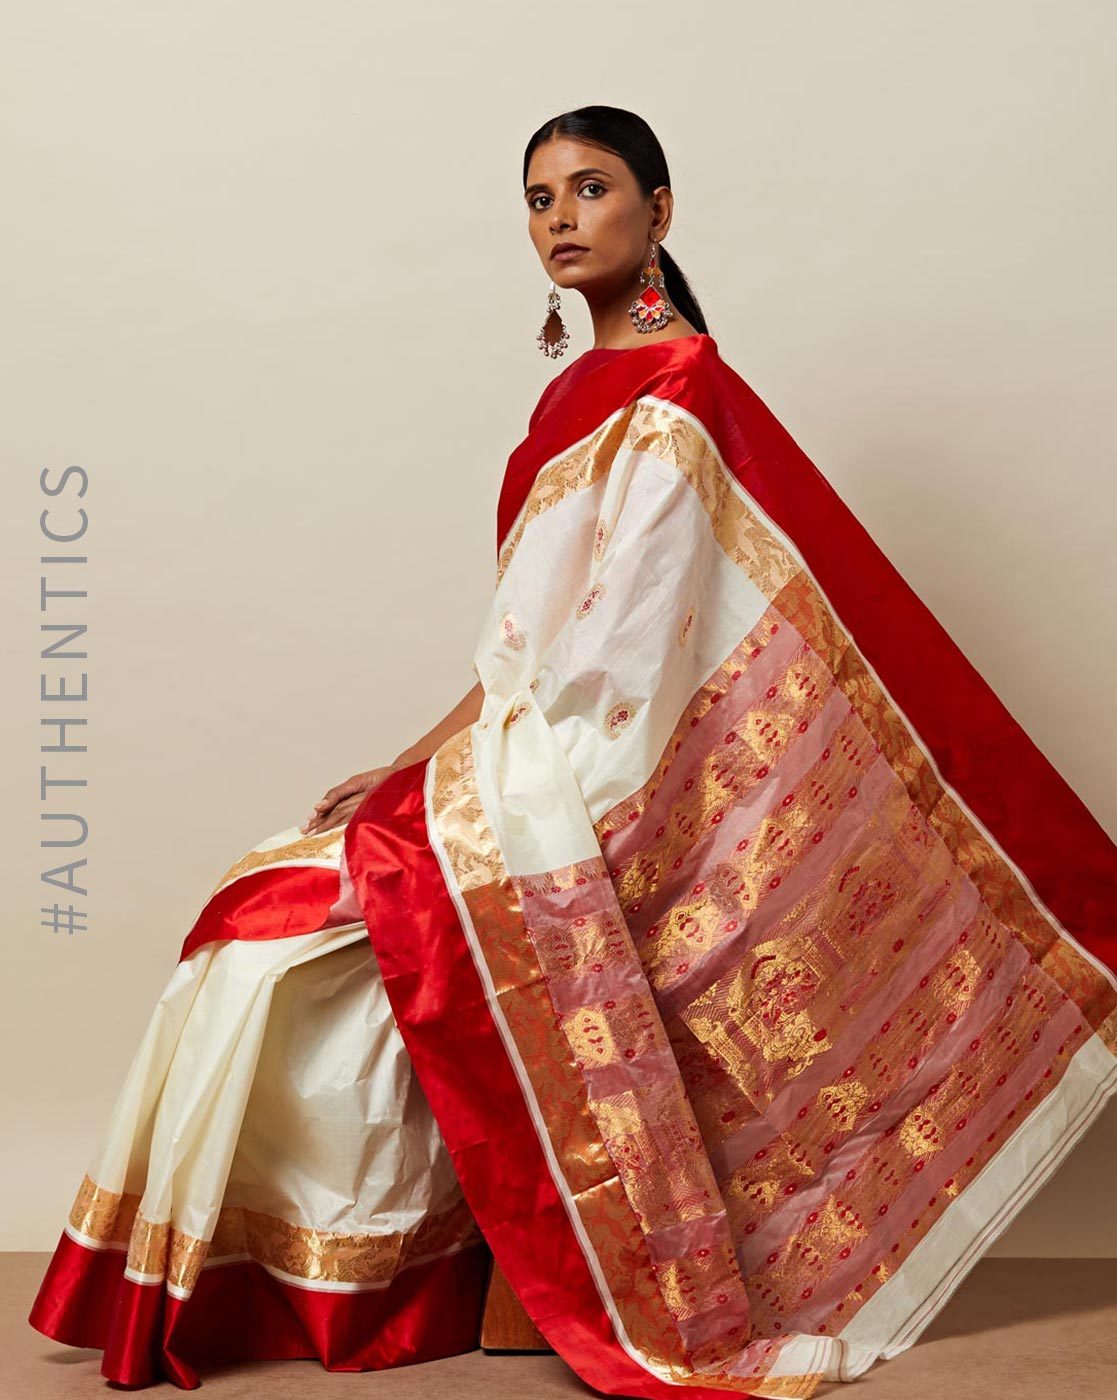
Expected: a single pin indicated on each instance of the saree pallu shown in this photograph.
(760, 967)
(754, 965)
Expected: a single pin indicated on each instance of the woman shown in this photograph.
(728, 966)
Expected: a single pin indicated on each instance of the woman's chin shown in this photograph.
(570, 276)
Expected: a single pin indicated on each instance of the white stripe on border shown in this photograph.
(910, 1299)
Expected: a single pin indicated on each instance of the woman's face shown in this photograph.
(577, 193)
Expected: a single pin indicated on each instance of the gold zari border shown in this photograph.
(113, 1218)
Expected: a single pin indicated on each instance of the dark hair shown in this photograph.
(630, 137)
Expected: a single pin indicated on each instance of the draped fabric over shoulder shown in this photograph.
(741, 972)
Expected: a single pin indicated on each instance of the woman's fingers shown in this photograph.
(353, 789)
(338, 791)
(325, 805)
(341, 813)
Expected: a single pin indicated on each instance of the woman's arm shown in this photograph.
(342, 800)
(466, 711)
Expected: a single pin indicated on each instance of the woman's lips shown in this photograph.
(568, 254)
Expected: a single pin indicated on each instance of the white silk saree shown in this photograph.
(740, 974)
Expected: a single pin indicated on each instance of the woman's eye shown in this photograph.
(533, 202)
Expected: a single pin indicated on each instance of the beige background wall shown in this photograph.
(266, 276)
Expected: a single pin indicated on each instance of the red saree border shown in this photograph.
(468, 1074)
(240, 1311)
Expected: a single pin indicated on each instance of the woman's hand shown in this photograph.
(342, 801)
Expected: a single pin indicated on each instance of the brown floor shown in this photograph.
(1016, 1329)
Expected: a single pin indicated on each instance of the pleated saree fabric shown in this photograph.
(753, 966)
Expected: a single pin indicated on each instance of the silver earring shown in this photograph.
(554, 337)
(651, 310)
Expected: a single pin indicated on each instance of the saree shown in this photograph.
(744, 969)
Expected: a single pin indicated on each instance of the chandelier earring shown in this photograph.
(651, 310)
(553, 338)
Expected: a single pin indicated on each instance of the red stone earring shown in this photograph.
(651, 310)
(554, 337)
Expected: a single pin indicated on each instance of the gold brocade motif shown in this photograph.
(590, 601)
(325, 847)
(824, 1252)
(161, 1251)
(1001, 889)
(827, 662)
(650, 425)
(574, 470)
(512, 635)
(660, 429)
(470, 844)
(620, 716)
(601, 536)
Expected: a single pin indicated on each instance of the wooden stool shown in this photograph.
(505, 1326)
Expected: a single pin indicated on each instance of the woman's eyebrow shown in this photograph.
(574, 175)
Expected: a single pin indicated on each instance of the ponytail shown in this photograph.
(678, 291)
